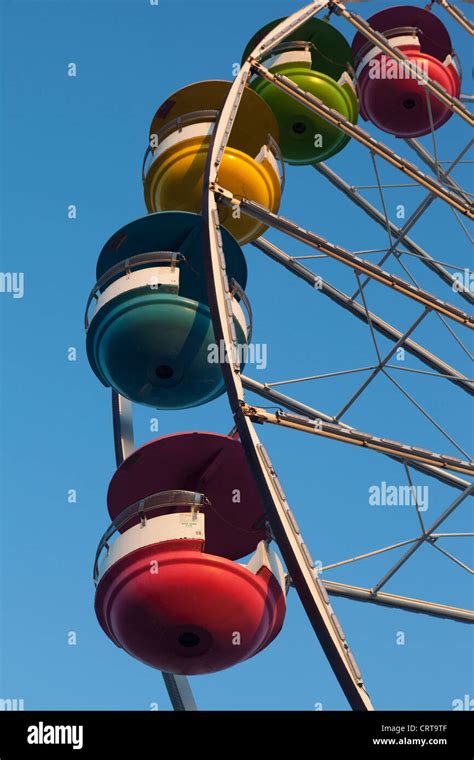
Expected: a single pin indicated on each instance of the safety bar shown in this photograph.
(160, 500)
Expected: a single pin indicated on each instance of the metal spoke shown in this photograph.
(398, 602)
(421, 372)
(360, 253)
(382, 362)
(458, 340)
(369, 322)
(314, 415)
(440, 316)
(382, 200)
(415, 216)
(317, 377)
(451, 557)
(462, 225)
(342, 299)
(401, 234)
(435, 165)
(253, 209)
(417, 256)
(368, 554)
(397, 185)
(452, 507)
(413, 490)
(426, 414)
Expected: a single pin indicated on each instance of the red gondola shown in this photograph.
(390, 96)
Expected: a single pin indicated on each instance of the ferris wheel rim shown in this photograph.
(234, 386)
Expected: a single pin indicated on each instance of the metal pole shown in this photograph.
(400, 602)
(434, 165)
(378, 217)
(358, 438)
(342, 299)
(345, 257)
(457, 15)
(333, 117)
(296, 406)
(284, 527)
(178, 688)
(454, 505)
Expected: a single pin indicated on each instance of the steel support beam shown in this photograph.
(284, 527)
(122, 420)
(457, 15)
(179, 692)
(342, 299)
(378, 217)
(360, 135)
(400, 602)
(296, 406)
(345, 257)
(358, 438)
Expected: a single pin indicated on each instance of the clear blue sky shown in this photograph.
(81, 141)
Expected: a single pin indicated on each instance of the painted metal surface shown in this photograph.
(174, 372)
(198, 613)
(173, 180)
(172, 231)
(168, 622)
(178, 687)
(289, 539)
(208, 463)
(306, 138)
(320, 61)
(330, 52)
(390, 97)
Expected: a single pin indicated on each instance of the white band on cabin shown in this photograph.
(177, 526)
(150, 277)
(188, 132)
(300, 57)
(398, 42)
(155, 530)
(157, 279)
(202, 129)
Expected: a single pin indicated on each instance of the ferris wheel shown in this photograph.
(172, 329)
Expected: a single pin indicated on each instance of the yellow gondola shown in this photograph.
(179, 141)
